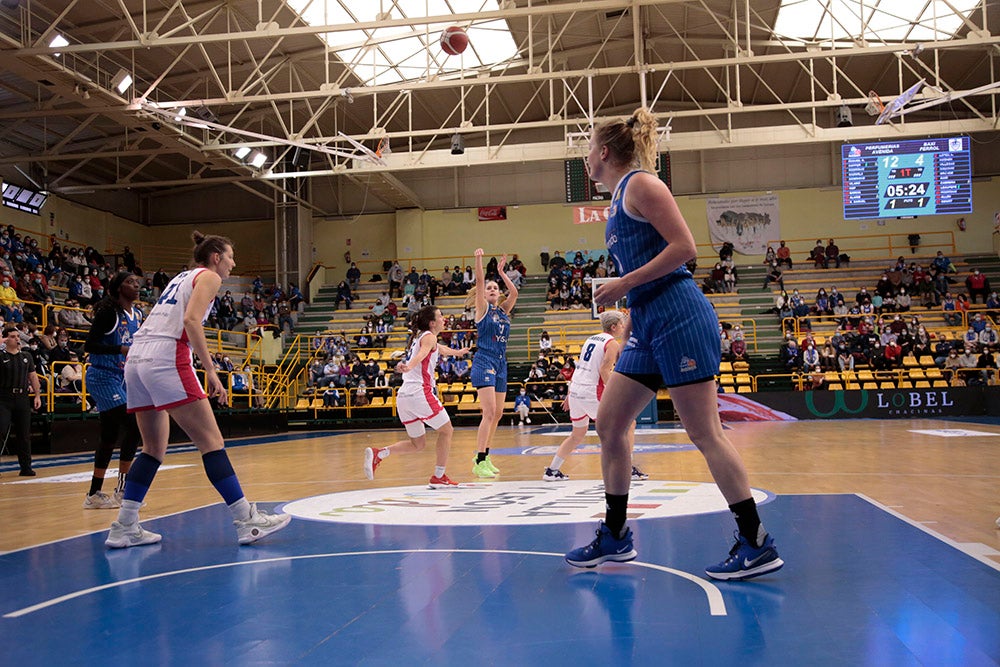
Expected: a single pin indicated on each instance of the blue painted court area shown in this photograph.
(860, 587)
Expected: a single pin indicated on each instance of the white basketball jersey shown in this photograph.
(422, 374)
(587, 376)
(166, 320)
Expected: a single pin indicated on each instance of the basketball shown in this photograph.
(454, 40)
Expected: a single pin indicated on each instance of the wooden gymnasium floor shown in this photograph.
(887, 529)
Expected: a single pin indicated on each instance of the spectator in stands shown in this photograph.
(360, 395)
(354, 276)
(62, 349)
(978, 285)
(828, 357)
(557, 262)
(941, 265)
(845, 359)
(738, 350)
(993, 306)
(822, 306)
(962, 304)
(396, 278)
(71, 376)
(800, 309)
(832, 253)
(921, 342)
(285, 316)
(729, 277)
(810, 357)
(784, 255)
(774, 276)
(461, 369)
(952, 364)
(950, 308)
(726, 346)
(942, 347)
(343, 294)
(789, 355)
(468, 279)
(818, 255)
(988, 367)
(816, 380)
(770, 256)
(928, 294)
(969, 358)
(715, 282)
(522, 406)
(988, 338)
(544, 343)
(970, 338)
(903, 301)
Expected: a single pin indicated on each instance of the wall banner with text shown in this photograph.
(583, 215)
(746, 222)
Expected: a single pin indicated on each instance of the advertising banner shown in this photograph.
(746, 222)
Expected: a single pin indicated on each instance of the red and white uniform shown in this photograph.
(159, 369)
(416, 402)
(586, 387)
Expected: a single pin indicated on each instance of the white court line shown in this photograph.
(716, 605)
(972, 549)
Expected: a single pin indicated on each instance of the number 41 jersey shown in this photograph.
(166, 320)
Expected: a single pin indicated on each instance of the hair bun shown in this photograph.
(197, 237)
(631, 121)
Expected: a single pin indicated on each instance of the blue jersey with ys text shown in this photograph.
(633, 242)
(127, 323)
(492, 332)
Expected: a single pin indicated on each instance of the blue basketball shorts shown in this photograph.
(489, 372)
(675, 334)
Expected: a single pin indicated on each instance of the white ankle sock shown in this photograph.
(557, 462)
(240, 509)
(129, 512)
(439, 471)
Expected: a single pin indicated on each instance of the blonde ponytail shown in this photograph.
(632, 142)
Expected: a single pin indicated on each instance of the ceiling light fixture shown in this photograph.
(122, 81)
(241, 152)
(257, 160)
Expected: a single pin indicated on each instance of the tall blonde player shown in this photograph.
(416, 402)
(593, 370)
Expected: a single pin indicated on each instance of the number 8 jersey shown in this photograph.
(586, 382)
(166, 320)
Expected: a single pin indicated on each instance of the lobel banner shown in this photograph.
(872, 404)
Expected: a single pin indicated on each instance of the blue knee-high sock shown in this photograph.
(140, 477)
(220, 472)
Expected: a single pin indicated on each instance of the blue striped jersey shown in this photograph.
(492, 332)
(125, 326)
(633, 242)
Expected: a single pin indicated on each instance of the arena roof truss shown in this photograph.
(350, 99)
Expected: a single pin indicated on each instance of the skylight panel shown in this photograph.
(401, 53)
(872, 20)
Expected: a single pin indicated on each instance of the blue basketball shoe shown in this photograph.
(747, 561)
(604, 548)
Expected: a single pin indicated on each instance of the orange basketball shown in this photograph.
(454, 40)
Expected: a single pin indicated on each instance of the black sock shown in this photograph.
(747, 520)
(480, 457)
(616, 513)
(95, 485)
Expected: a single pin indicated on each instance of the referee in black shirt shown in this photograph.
(17, 378)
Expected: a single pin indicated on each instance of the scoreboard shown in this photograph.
(579, 187)
(907, 178)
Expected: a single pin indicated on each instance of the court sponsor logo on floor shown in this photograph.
(953, 432)
(509, 503)
(83, 477)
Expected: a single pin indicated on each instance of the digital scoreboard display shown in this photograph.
(907, 178)
(579, 187)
